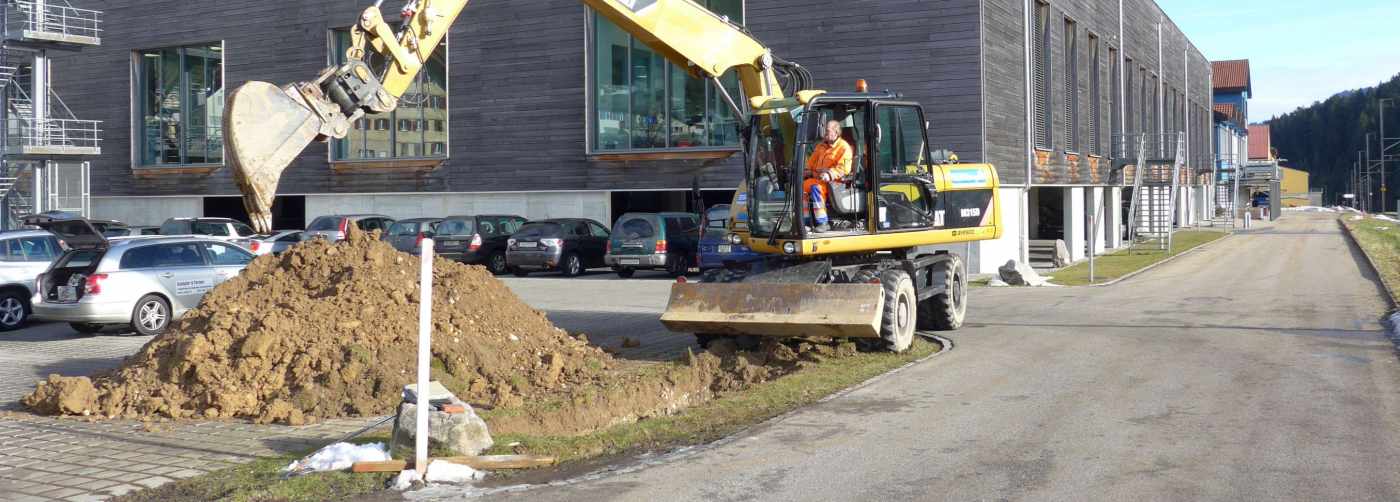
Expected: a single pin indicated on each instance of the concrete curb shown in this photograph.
(1143, 270)
(646, 461)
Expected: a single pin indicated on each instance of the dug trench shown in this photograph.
(330, 330)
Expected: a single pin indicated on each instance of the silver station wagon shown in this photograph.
(144, 282)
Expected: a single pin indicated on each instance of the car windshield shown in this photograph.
(325, 223)
(492, 226)
(243, 230)
(635, 227)
(405, 228)
(455, 227)
(716, 221)
(206, 228)
(539, 230)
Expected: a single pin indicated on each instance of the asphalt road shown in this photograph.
(1253, 370)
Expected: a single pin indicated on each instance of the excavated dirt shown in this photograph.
(330, 330)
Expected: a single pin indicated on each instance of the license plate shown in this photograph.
(67, 294)
(725, 249)
(630, 262)
(526, 245)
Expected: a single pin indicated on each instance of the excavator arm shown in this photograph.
(266, 126)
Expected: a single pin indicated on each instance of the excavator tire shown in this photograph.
(945, 311)
(901, 310)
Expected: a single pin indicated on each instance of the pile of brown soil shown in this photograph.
(330, 330)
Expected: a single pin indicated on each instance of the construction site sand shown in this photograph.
(330, 330)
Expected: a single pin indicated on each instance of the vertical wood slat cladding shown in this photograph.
(517, 85)
(1004, 57)
(518, 107)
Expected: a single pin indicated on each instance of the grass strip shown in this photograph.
(261, 480)
(1379, 239)
(1118, 264)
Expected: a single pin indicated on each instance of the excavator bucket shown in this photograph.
(266, 128)
(776, 309)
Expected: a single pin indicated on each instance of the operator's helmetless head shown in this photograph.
(832, 132)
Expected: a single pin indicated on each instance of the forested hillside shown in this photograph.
(1323, 138)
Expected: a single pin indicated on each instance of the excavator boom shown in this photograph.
(268, 126)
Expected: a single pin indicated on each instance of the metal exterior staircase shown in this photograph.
(38, 170)
(1156, 183)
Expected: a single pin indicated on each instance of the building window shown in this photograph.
(640, 101)
(1071, 86)
(402, 133)
(1040, 52)
(181, 105)
(1095, 106)
(1115, 87)
(1145, 110)
(1130, 99)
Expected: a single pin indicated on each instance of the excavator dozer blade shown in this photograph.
(775, 309)
(266, 127)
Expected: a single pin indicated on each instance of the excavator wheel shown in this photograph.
(901, 310)
(945, 311)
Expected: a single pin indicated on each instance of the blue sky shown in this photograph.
(1300, 51)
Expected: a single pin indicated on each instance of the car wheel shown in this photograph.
(85, 328)
(496, 263)
(13, 311)
(520, 272)
(571, 266)
(625, 273)
(678, 266)
(151, 315)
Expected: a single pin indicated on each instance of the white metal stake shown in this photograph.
(425, 341)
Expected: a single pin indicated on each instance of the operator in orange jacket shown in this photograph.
(829, 162)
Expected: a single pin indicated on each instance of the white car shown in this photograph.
(144, 282)
(23, 256)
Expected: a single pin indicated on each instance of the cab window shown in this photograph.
(225, 255)
(901, 148)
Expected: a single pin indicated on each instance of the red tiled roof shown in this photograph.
(1231, 76)
(1227, 110)
(1259, 143)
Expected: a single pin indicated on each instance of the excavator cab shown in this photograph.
(893, 187)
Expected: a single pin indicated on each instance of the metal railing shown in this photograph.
(56, 16)
(1160, 146)
(55, 133)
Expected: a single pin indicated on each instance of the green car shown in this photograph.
(654, 241)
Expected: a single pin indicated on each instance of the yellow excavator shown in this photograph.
(868, 273)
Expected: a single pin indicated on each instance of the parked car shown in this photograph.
(478, 240)
(110, 228)
(715, 250)
(653, 241)
(274, 243)
(407, 235)
(224, 229)
(333, 227)
(569, 245)
(24, 254)
(144, 282)
(131, 231)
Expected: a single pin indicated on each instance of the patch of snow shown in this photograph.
(440, 471)
(339, 456)
(1311, 209)
(1386, 218)
(405, 479)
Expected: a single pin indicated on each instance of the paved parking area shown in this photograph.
(44, 458)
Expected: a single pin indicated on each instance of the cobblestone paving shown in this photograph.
(45, 458)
